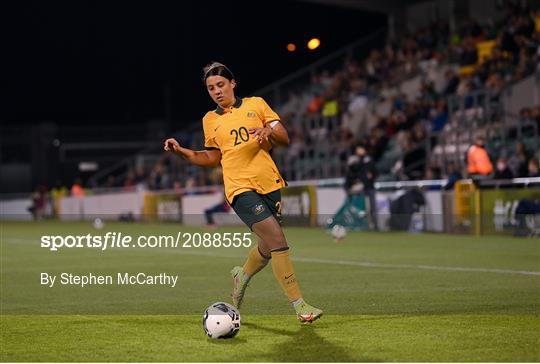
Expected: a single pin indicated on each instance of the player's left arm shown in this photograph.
(272, 130)
(276, 134)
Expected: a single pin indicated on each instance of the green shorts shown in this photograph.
(252, 207)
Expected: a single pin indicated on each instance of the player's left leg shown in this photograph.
(271, 233)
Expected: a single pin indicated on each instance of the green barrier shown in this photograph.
(497, 208)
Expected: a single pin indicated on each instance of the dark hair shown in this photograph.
(360, 145)
(217, 69)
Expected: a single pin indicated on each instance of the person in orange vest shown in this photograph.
(478, 162)
(77, 190)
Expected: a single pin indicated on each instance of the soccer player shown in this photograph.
(239, 134)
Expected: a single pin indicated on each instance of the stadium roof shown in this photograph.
(382, 6)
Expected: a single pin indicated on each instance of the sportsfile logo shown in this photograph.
(120, 240)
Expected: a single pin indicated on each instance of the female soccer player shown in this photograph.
(238, 134)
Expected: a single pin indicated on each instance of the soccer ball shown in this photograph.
(221, 321)
(338, 232)
(98, 223)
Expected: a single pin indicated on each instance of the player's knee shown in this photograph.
(281, 249)
(279, 244)
(264, 251)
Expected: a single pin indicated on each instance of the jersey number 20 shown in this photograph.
(240, 135)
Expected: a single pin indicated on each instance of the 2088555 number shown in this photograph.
(216, 240)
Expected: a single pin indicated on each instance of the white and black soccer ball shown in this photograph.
(221, 321)
(339, 232)
(98, 223)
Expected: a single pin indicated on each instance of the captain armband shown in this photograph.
(273, 123)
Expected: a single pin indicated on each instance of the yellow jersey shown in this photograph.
(246, 164)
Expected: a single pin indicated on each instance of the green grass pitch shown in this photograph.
(386, 297)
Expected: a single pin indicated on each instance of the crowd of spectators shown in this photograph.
(406, 120)
(479, 56)
(167, 173)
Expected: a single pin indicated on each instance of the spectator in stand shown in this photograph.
(451, 83)
(469, 55)
(129, 183)
(376, 143)
(190, 186)
(290, 108)
(39, 203)
(177, 188)
(355, 117)
(140, 177)
(533, 168)
(465, 85)
(478, 162)
(471, 28)
(57, 193)
(315, 104)
(495, 83)
(432, 173)
(438, 116)
(502, 171)
(77, 189)
(414, 161)
(527, 121)
(159, 178)
(519, 160)
(453, 176)
(111, 182)
(361, 178)
(418, 134)
(535, 112)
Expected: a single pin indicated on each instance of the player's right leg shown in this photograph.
(258, 258)
(251, 208)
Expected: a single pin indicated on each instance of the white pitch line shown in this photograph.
(419, 266)
(352, 263)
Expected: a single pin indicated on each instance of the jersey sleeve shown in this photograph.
(209, 135)
(266, 113)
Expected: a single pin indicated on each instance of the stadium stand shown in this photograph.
(416, 104)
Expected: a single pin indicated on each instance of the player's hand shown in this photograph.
(171, 145)
(261, 134)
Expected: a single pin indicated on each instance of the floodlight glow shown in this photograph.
(313, 43)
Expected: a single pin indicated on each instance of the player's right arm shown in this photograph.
(203, 158)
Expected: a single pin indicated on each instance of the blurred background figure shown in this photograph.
(223, 206)
(39, 203)
(502, 171)
(527, 208)
(533, 168)
(518, 161)
(453, 175)
(77, 189)
(360, 178)
(56, 194)
(403, 208)
(478, 162)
